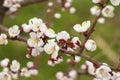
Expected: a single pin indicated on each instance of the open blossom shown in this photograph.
(101, 20)
(59, 75)
(63, 35)
(5, 76)
(14, 31)
(91, 68)
(15, 66)
(33, 72)
(96, 1)
(77, 59)
(90, 45)
(108, 11)
(75, 42)
(25, 72)
(14, 75)
(34, 40)
(3, 39)
(37, 25)
(72, 74)
(95, 10)
(57, 15)
(36, 51)
(26, 28)
(52, 48)
(72, 10)
(82, 27)
(13, 5)
(104, 72)
(50, 33)
(4, 62)
(50, 4)
(30, 64)
(7, 3)
(115, 2)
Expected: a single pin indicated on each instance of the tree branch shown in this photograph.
(19, 38)
(2, 11)
(28, 2)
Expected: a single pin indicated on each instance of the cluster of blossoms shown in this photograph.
(66, 5)
(102, 72)
(13, 5)
(107, 11)
(45, 39)
(11, 69)
(70, 75)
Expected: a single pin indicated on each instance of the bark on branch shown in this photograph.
(29, 2)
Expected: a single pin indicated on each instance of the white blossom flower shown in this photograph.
(50, 63)
(4, 62)
(25, 72)
(5, 76)
(91, 68)
(59, 75)
(101, 20)
(37, 25)
(108, 11)
(35, 40)
(5, 69)
(50, 33)
(103, 72)
(116, 76)
(57, 15)
(14, 7)
(67, 4)
(58, 60)
(36, 51)
(48, 10)
(52, 48)
(63, 35)
(90, 45)
(72, 10)
(82, 27)
(3, 39)
(26, 28)
(96, 1)
(30, 64)
(14, 75)
(83, 67)
(95, 10)
(15, 66)
(72, 74)
(7, 3)
(76, 42)
(115, 2)
(14, 31)
(50, 4)
(33, 72)
(77, 59)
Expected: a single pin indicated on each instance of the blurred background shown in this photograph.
(107, 36)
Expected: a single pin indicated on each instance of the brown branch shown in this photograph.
(29, 2)
(19, 38)
(84, 72)
(82, 55)
(2, 11)
(92, 27)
